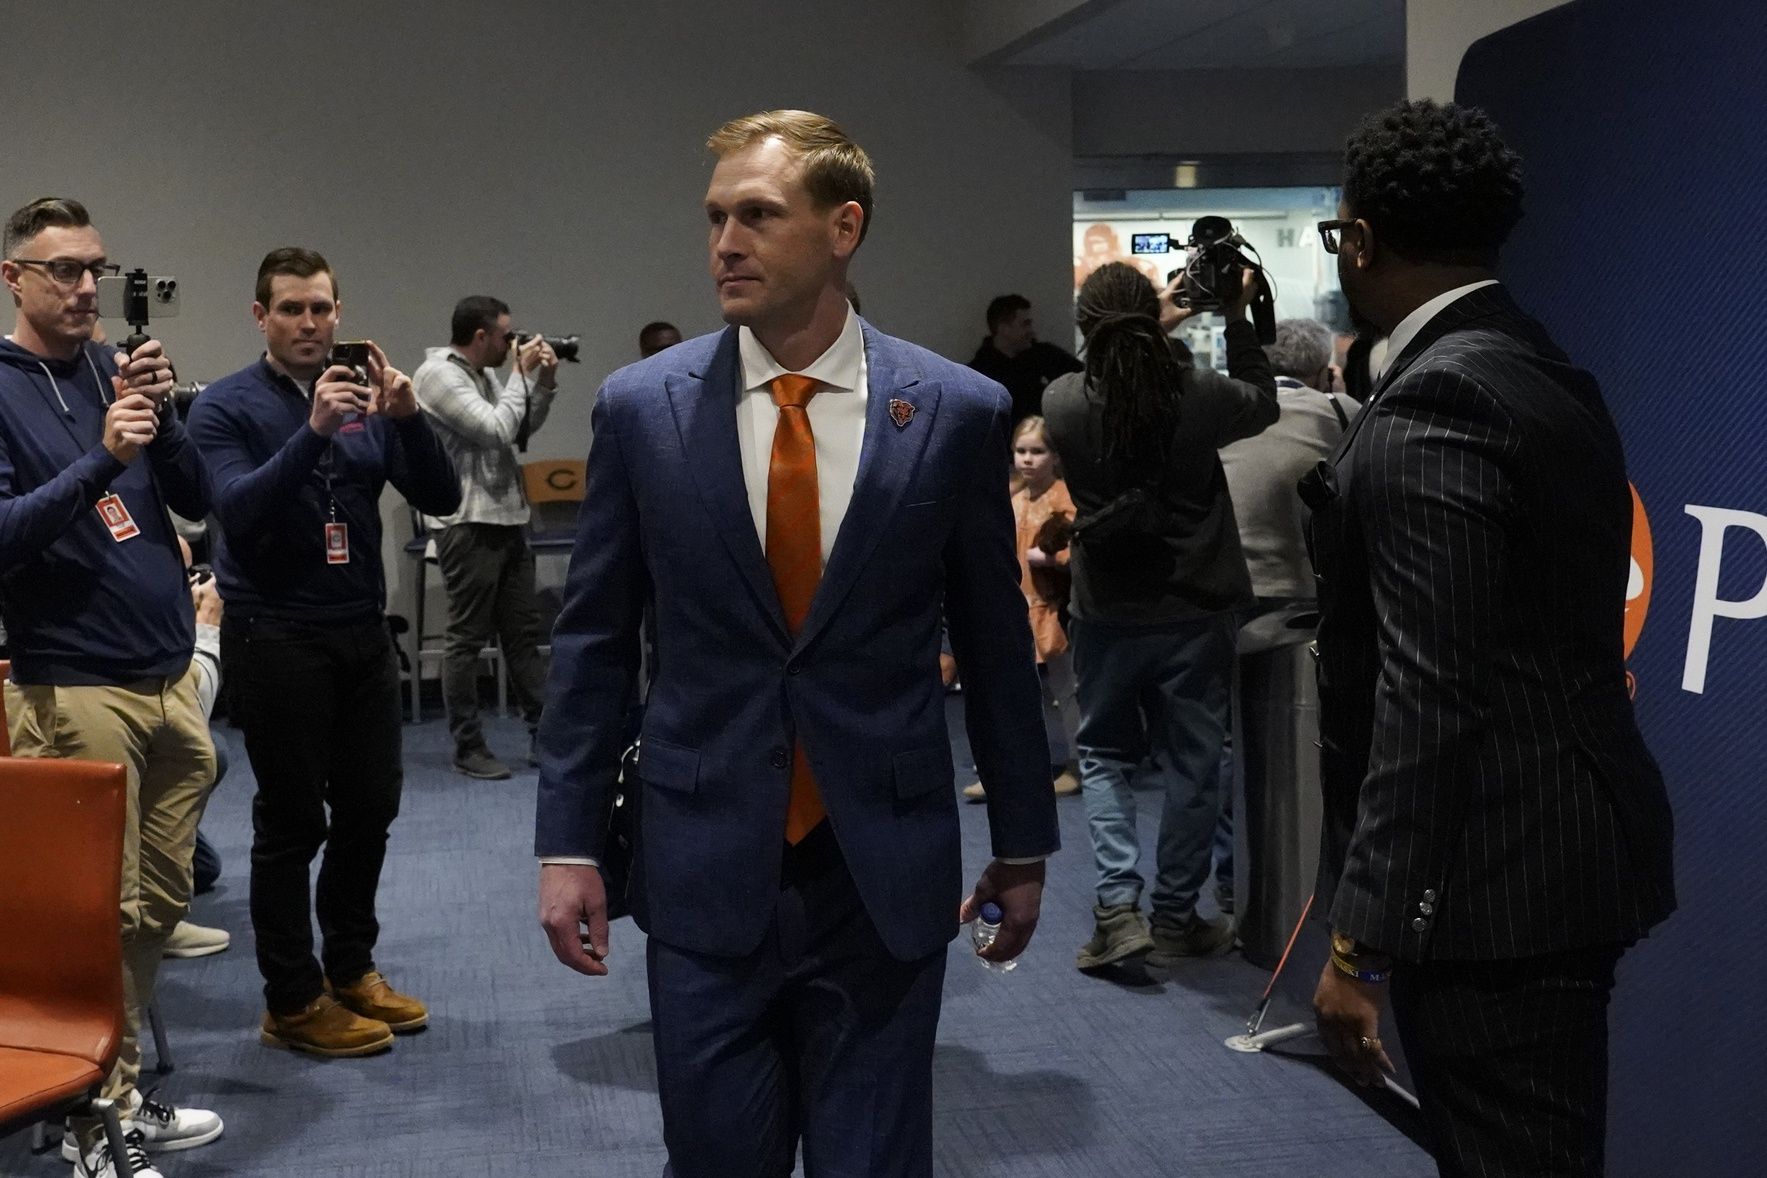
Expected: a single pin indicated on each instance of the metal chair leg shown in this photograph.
(162, 1051)
(113, 1133)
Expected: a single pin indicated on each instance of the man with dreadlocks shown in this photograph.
(1157, 576)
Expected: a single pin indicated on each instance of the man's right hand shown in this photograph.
(335, 397)
(537, 359)
(1250, 285)
(573, 911)
(129, 424)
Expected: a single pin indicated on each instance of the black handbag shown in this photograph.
(620, 847)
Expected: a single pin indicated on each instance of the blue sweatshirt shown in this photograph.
(80, 606)
(277, 483)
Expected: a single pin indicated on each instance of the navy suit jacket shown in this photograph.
(1487, 793)
(666, 521)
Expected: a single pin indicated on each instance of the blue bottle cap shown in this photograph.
(991, 913)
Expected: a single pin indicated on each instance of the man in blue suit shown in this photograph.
(796, 497)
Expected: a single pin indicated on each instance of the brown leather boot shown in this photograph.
(322, 1027)
(371, 997)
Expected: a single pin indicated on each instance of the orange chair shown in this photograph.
(61, 952)
(554, 480)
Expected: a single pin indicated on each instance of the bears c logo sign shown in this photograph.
(1639, 582)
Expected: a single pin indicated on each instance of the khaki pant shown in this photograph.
(157, 730)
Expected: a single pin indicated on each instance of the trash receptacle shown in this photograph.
(1279, 805)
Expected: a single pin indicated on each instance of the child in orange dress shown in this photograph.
(1042, 497)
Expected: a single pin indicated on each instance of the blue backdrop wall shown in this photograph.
(1641, 129)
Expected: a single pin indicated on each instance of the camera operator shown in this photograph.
(301, 450)
(1157, 575)
(96, 609)
(487, 567)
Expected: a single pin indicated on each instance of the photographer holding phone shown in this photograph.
(96, 609)
(487, 566)
(301, 448)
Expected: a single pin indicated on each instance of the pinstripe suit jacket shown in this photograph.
(1487, 792)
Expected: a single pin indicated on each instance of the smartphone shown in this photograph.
(138, 297)
(351, 354)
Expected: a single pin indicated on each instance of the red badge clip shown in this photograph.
(337, 544)
(901, 412)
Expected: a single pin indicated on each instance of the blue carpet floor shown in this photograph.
(528, 1069)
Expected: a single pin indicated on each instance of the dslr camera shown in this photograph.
(565, 347)
(1213, 274)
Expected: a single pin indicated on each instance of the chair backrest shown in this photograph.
(554, 481)
(5, 727)
(61, 949)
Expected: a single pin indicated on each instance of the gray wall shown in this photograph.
(550, 154)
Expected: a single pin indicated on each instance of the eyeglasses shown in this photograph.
(1328, 233)
(67, 271)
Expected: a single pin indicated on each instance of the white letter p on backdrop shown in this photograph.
(1714, 522)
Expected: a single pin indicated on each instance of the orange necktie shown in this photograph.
(794, 553)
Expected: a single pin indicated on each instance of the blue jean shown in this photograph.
(1159, 694)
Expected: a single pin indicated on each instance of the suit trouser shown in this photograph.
(488, 571)
(156, 730)
(1165, 691)
(1510, 1061)
(319, 705)
(818, 1035)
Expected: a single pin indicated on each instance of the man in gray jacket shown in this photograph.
(487, 567)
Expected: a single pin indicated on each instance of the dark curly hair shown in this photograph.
(1436, 182)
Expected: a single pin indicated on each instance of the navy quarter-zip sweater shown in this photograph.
(275, 483)
(82, 608)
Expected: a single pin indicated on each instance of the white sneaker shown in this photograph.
(100, 1164)
(159, 1128)
(194, 940)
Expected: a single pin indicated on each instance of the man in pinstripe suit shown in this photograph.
(1496, 831)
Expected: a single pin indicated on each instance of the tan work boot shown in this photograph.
(973, 792)
(371, 997)
(1119, 933)
(1195, 938)
(322, 1027)
(1067, 782)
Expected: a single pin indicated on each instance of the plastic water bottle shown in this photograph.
(986, 928)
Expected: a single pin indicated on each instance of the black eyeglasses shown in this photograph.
(67, 271)
(1328, 233)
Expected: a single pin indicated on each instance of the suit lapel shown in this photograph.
(704, 404)
(888, 459)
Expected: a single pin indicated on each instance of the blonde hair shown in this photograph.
(836, 170)
(1036, 425)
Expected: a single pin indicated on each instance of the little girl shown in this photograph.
(1043, 575)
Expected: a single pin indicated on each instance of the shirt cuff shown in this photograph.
(1018, 862)
(567, 861)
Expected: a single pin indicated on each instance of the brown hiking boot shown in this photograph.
(322, 1027)
(1120, 932)
(371, 997)
(1198, 938)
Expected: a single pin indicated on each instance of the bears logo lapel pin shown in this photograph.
(901, 412)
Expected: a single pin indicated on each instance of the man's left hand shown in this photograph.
(1018, 889)
(147, 371)
(393, 395)
(1348, 1015)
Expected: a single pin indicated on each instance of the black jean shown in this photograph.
(319, 705)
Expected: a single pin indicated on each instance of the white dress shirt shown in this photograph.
(1419, 319)
(837, 419)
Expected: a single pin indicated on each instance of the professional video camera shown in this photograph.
(137, 298)
(1214, 274)
(563, 346)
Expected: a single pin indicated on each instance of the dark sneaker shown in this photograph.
(1198, 938)
(1119, 933)
(481, 764)
(323, 1027)
(372, 997)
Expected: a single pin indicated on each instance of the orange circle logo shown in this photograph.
(1643, 568)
